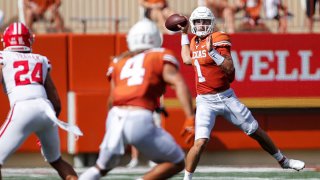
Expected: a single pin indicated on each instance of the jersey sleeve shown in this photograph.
(1, 58)
(48, 63)
(221, 39)
(111, 68)
(169, 57)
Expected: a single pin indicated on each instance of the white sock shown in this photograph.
(278, 156)
(187, 175)
(92, 174)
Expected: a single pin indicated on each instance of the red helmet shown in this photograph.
(17, 37)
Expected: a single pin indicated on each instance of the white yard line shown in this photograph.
(142, 169)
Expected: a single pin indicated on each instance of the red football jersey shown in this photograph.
(138, 78)
(209, 77)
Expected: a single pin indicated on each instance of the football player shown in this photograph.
(138, 78)
(209, 54)
(34, 101)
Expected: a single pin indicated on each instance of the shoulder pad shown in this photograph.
(169, 56)
(221, 39)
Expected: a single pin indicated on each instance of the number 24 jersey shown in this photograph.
(24, 75)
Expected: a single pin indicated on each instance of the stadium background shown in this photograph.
(103, 16)
(288, 109)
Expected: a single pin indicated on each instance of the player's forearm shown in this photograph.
(228, 68)
(185, 98)
(55, 100)
(227, 65)
(52, 95)
(185, 54)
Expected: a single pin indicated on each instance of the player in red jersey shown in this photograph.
(209, 53)
(138, 78)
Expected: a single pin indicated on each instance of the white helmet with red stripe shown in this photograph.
(17, 37)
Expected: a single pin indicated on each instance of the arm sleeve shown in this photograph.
(48, 63)
(221, 39)
(110, 70)
(170, 58)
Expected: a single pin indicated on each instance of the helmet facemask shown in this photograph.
(202, 27)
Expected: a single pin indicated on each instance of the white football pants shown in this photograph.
(26, 117)
(136, 127)
(225, 104)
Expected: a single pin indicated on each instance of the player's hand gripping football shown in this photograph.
(188, 130)
(184, 29)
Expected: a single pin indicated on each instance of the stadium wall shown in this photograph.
(278, 76)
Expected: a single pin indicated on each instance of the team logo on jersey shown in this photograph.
(199, 54)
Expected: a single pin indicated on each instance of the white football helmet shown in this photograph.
(202, 13)
(144, 35)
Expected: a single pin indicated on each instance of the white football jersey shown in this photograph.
(24, 75)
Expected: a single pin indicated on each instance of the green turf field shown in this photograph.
(203, 173)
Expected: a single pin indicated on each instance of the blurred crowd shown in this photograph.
(231, 15)
(35, 11)
(254, 13)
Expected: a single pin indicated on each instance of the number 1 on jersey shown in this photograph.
(200, 77)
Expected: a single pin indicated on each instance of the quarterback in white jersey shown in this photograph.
(34, 101)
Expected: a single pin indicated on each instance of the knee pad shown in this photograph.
(249, 127)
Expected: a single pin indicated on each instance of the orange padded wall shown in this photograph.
(89, 57)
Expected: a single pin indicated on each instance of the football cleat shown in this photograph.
(133, 163)
(292, 164)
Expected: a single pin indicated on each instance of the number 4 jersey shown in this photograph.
(138, 79)
(24, 75)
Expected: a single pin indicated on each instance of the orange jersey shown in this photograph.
(209, 77)
(156, 1)
(138, 78)
(44, 4)
(253, 7)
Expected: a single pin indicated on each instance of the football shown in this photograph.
(173, 21)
